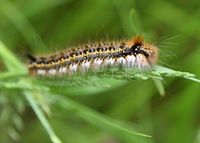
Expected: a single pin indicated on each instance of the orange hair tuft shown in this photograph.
(136, 40)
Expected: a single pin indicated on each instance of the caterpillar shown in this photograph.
(134, 53)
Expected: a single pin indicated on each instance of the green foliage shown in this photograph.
(110, 106)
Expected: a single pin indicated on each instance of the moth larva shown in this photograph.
(128, 54)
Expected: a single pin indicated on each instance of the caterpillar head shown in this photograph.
(149, 51)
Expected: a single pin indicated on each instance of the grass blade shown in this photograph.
(41, 117)
(160, 87)
(95, 118)
(12, 63)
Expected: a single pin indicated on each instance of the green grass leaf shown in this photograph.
(92, 117)
(14, 66)
(41, 117)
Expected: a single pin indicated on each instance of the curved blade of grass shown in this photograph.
(41, 117)
(95, 118)
(22, 24)
(12, 63)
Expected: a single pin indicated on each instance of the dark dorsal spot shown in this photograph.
(104, 49)
(80, 52)
(98, 49)
(52, 61)
(56, 59)
(61, 57)
(71, 54)
(66, 56)
(110, 48)
(85, 51)
(91, 50)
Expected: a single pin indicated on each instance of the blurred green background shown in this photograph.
(45, 26)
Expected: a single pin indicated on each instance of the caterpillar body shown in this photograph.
(134, 53)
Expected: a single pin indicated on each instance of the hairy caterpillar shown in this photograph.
(134, 53)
